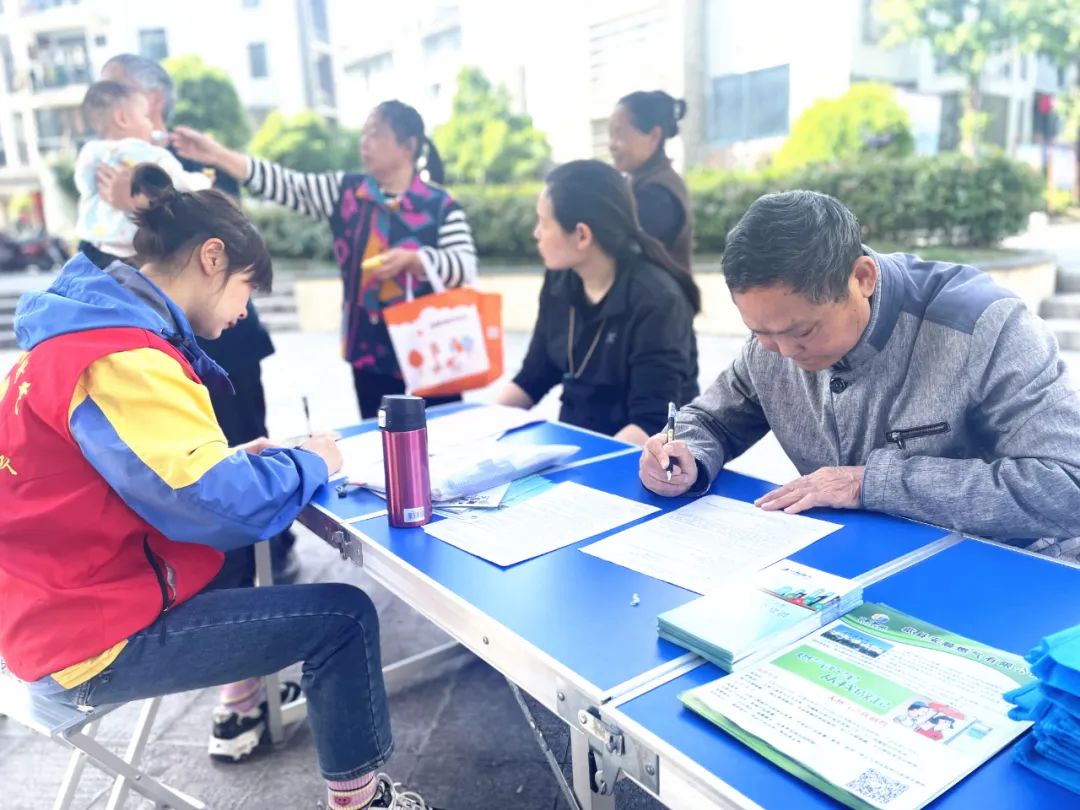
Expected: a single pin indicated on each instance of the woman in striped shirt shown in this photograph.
(419, 235)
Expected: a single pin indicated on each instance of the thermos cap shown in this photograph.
(400, 413)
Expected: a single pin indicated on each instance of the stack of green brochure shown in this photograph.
(778, 605)
(877, 709)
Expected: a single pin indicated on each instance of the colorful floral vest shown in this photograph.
(365, 224)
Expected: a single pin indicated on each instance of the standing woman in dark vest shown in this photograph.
(415, 235)
(639, 126)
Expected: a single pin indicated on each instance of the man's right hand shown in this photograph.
(324, 445)
(653, 466)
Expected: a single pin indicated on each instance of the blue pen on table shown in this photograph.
(670, 429)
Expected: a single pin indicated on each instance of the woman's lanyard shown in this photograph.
(575, 373)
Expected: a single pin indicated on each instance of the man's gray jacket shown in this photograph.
(955, 399)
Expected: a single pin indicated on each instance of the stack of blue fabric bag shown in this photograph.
(1052, 703)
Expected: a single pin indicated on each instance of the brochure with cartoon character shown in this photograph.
(877, 709)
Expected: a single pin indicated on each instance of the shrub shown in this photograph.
(867, 119)
(290, 235)
(947, 199)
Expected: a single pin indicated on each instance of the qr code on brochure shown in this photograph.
(876, 786)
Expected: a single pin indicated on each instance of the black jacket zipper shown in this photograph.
(159, 574)
(898, 437)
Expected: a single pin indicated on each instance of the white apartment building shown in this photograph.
(564, 62)
(746, 69)
(278, 53)
(769, 60)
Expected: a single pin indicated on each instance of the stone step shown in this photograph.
(1067, 331)
(274, 303)
(1061, 305)
(1068, 280)
(280, 321)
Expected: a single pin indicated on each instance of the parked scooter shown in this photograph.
(35, 252)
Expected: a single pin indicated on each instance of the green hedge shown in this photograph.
(945, 199)
(290, 235)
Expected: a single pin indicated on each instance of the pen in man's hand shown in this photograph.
(307, 415)
(670, 436)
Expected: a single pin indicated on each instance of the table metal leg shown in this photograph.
(549, 755)
(275, 725)
(402, 670)
(586, 777)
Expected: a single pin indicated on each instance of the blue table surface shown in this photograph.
(576, 607)
(360, 501)
(987, 593)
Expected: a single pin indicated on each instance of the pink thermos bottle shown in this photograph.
(405, 460)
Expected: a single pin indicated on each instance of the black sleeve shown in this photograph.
(538, 373)
(659, 359)
(660, 213)
(222, 182)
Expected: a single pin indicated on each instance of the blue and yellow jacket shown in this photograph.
(118, 489)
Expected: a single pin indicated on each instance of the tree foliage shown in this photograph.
(206, 100)
(965, 34)
(866, 119)
(484, 141)
(306, 142)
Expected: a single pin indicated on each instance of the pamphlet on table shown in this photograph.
(445, 432)
(566, 513)
(878, 709)
(709, 542)
(738, 625)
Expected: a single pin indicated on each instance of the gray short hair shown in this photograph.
(147, 74)
(800, 239)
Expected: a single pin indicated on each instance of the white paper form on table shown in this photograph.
(709, 541)
(362, 451)
(565, 514)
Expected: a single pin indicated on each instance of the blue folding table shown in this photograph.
(565, 626)
(1002, 597)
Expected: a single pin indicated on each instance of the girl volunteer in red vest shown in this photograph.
(119, 494)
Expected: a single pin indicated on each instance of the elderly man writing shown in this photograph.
(919, 389)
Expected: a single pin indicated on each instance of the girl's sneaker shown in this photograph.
(236, 735)
(389, 794)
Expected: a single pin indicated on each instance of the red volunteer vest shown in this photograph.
(79, 569)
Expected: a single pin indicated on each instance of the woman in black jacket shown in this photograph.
(616, 313)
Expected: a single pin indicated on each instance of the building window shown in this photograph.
(60, 127)
(8, 60)
(257, 60)
(34, 6)
(375, 71)
(873, 29)
(59, 60)
(319, 21)
(443, 42)
(22, 149)
(152, 44)
(945, 63)
(324, 68)
(751, 105)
